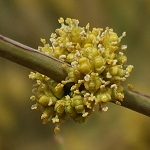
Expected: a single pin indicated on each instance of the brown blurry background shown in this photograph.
(119, 128)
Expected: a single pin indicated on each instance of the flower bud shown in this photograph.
(44, 100)
(103, 97)
(84, 65)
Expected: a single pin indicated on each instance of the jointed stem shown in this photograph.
(52, 67)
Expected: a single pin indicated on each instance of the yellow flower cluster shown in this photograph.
(98, 67)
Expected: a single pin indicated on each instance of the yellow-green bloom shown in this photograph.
(98, 68)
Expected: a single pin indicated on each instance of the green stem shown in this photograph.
(52, 67)
(31, 58)
(137, 101)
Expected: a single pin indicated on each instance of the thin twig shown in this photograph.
(32, 58)
(52, 67)
(137, 101)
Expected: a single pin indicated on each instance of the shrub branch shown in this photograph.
(31, 58)
(52, 67)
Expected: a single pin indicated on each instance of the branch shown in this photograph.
(52, 67)
(137, 101)
(31, 58)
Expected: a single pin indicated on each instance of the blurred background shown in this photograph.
(27, 22)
